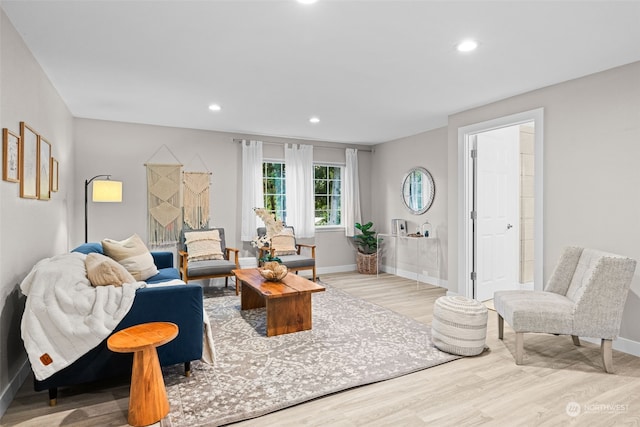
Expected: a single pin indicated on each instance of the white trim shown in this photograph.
(624, 345)
(442, 283)
(14, 385)
(465, 192)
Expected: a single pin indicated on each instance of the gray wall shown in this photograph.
(591, 135)
(391, 162)
(30, 229)
(122, 149)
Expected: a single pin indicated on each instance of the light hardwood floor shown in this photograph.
(489, 389)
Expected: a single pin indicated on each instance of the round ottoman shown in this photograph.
(459, 325)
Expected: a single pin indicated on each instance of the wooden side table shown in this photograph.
(148, 401)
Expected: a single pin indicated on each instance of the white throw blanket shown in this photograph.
(65, 316)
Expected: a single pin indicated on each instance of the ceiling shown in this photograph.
(372, 71)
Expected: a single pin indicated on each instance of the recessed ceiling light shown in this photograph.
(467, 45)
(215, 107)
(314, 120)
(307, 1)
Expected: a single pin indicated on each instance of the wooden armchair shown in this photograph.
(209, 257)
(296, 261)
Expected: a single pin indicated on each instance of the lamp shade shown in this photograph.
(107, 191)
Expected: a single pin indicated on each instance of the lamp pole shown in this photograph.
(86, 186)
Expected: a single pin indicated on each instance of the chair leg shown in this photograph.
(226, 282)
(500, 327)
(519, 347)
(237, 287)
(576, 340)
(314, 274)
(607, 355)
(187, 369)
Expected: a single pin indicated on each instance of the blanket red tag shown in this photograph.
(46, 359)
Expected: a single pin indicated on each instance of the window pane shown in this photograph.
(321, 187)
(320, 172)
(334, 173)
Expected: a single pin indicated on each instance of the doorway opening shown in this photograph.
(500, 220)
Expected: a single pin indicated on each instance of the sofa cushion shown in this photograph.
(133, 254)
(88, 248)
(164, 275)
(203, 245)
(103, 271)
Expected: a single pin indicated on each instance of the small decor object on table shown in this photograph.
(148, 401)
(273, 271)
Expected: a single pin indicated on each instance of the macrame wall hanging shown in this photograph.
(196, 199)
(164, 202)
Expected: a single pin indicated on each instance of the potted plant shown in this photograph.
(367, 249)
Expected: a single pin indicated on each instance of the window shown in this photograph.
(274, 189)
(328, 194)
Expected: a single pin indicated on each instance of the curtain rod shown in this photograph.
(239, 140)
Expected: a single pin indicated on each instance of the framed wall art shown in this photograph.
(44, 169)
(54, 175)
(28, 162)
(11, 156)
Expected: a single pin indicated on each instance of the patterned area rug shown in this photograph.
(352, 343)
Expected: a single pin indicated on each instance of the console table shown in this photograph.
(418, 244)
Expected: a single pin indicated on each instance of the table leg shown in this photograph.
(289, 314)
(148, 401)
(250, 298)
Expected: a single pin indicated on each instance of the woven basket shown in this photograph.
(367, 263)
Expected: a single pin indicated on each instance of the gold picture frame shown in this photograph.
(28, 162)
(44, 169)
(11, 156)
(54, 175)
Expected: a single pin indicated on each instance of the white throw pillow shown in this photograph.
(103, 271)
(284, 243)
(203, 245)
(133, 254)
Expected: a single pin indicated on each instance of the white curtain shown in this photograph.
(252, 193)
(351, 209)
(298, 163)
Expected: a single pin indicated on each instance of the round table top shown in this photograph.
(139, 337)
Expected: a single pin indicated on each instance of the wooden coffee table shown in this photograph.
(148, 401)
(288, 301)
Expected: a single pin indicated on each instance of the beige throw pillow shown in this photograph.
(133, 254)
(203, 245)
(103, 271)
(284, 243)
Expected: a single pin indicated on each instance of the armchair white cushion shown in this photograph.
(585, 297)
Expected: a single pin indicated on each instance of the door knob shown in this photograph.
(509, 226)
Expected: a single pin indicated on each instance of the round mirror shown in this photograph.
(418, 190)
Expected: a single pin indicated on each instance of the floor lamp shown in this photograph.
(103, 191)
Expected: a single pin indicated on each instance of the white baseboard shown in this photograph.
(14, 385)
(621, 344)
(424, 278)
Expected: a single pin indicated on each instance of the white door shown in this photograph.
(497, 250)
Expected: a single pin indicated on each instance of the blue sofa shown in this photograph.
(180, 304)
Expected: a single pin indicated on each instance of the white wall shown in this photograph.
(591, 134)
(391, 162)
(122, 149)
(30, 229)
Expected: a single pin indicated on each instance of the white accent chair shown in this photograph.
(585, 296)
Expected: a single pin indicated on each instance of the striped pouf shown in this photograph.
(459, 325)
